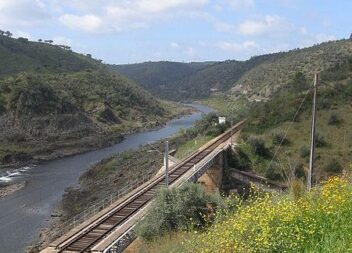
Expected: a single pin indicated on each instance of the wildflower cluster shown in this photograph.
(320, 221)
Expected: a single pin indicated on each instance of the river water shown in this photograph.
(28, 210)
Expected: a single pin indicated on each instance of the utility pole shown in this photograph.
(313, 134)
(166, 164)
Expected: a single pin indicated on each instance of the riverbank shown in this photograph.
(61, 148)
(9, 189)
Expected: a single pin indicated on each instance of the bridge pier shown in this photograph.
(211, 180)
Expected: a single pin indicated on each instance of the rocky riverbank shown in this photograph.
(9, 189)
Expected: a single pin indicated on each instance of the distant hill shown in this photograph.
(55, 102)
(163, 79)
(256, 79)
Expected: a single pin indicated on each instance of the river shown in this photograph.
(24, 213)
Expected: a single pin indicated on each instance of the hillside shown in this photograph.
(186, 81)
(268, 121)
(255, 79)
(54, 102)
(163, 79)
(18, 55)
(266, 78)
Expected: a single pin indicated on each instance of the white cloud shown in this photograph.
(87, 23)
(60, 40)
(22, 13)
(116, 16)
(19, 33)
(224, 27)
(308, 38)
(190, 51)
(240, 4)
(269, 24)
(236, 47)
(174, 45)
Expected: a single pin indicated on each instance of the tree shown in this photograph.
(40, 40)
(351, 36)
(8, 34)
(24, 40)
(2, 32)
(300, 81)
(49, 41)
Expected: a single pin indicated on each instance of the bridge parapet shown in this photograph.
(259, 181)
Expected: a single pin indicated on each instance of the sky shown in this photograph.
(130, 31)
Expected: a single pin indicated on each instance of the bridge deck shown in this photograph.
(99, 232)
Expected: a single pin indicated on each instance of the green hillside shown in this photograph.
(268, 121)
(255, 79)
(55, 102)
(18, 55)
(187, 81)
(163, 79)
(266, 78)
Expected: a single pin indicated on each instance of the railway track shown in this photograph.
(101, 227)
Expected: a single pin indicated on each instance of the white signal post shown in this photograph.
(166, 159)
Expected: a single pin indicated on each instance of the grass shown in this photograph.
(318, 221)
(338, 138)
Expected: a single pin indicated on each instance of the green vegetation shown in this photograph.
(269, 120)
(178, 208)
(18, 55)
(316, 221)
(55, 102)
(256, 79)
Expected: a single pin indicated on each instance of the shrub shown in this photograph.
(334, 119)
(175, 209)
(258, 145)
(279, 138)
(273, 172)
(304, 151)
(320, 140)
(334, 166)
(299, 171)
(240, 160)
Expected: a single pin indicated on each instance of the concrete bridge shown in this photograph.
(111, 230)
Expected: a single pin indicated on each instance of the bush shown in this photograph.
(299, 171)
(240, 160)
(273, 172)
(320, 140)
(304, 151)
(334, 119)
(334, 166)
(258, 145)
(279, 138)
(177, 209)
